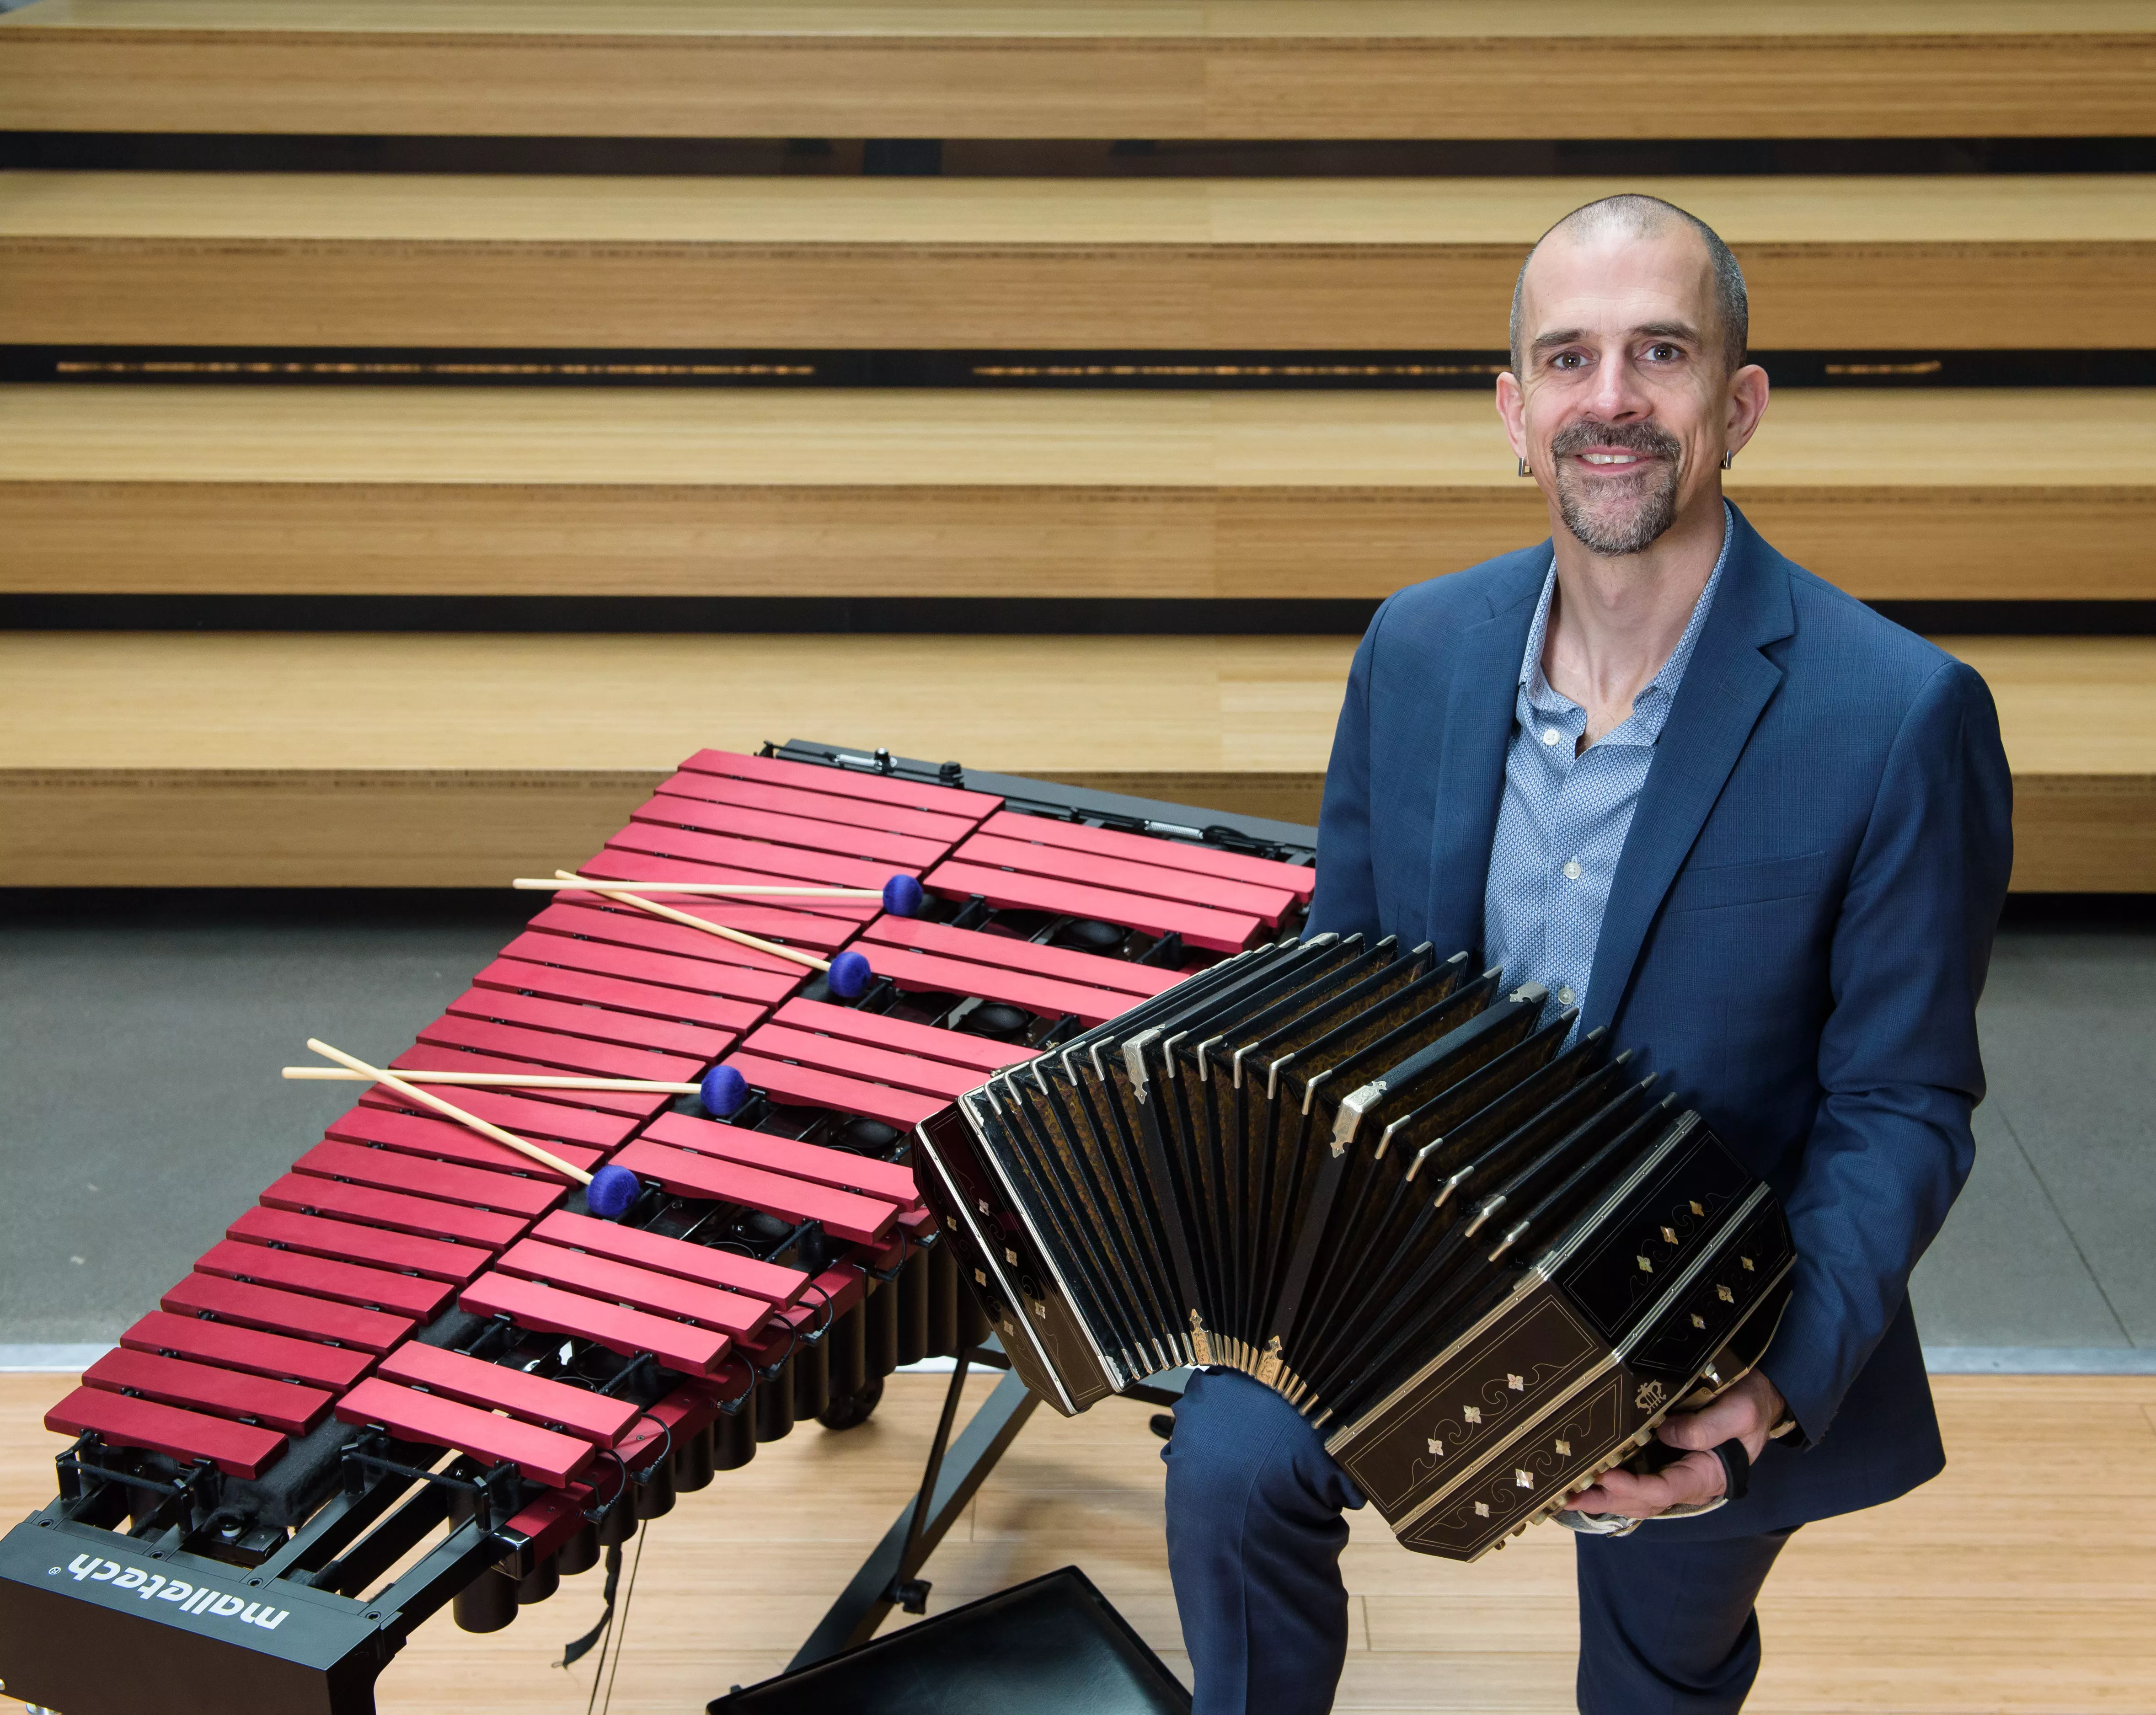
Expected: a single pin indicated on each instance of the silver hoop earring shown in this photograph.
(1524, 471)
(1727, 460)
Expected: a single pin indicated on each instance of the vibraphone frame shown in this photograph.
(311, 1642)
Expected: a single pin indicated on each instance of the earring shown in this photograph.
(1524, 471)
(1727, 460)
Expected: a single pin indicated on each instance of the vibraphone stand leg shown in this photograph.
(887, 1578)
(954, 1475)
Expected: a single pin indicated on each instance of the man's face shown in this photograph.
(1623, 404)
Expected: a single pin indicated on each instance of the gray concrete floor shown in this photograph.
(141, 1107)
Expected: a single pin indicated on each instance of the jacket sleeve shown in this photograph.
(1346, 898)
(1898, 1062)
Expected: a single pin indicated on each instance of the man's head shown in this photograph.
(1629, 381)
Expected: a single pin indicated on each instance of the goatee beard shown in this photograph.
(1633, 513)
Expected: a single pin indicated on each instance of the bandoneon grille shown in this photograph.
(1480, 1251)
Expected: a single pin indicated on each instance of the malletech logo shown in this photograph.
(192, 1598)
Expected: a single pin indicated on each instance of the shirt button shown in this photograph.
(1571, 870)
(1550, 735)
(1564, 996)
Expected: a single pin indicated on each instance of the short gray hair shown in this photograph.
(1645, 216)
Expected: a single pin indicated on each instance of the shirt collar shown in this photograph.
(1650, 707)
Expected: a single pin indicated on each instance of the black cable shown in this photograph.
(621, 1634)
(582, 1647)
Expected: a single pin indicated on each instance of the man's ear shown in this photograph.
(1512, 411)
(1748, 390)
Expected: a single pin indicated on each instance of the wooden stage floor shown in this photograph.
(2024, 1580)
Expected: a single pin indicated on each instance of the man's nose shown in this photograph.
(1617, 396)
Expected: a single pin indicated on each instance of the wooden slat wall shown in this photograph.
(1234, 69)
(1387, 265)
(1936, 494)
(206, 759)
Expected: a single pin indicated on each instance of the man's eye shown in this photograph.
(1664, 354)
(1567, 360)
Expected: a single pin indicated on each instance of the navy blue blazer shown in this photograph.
(1796, 937)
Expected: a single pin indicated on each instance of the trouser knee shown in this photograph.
(1240, 1451)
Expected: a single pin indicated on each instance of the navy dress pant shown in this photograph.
(1255, 1531)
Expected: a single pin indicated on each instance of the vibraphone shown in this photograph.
(421, 1372)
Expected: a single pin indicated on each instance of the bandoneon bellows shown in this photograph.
(1483, 1256)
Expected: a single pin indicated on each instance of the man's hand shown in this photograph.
(1745, 1413)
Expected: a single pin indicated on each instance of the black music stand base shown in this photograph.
(1051, 1646)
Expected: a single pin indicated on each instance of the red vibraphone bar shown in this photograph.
(412, 1289)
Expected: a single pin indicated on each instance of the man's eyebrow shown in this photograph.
(1563, 337)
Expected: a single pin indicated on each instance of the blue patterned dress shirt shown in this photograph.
(1566, 812)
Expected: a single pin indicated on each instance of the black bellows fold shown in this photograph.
(1484, 1262)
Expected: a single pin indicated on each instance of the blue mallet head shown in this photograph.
(850, 976)
(724, 1091)
(611, 1191)
(902, 896)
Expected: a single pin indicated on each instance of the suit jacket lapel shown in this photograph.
(1726, 685)
(1470, 777)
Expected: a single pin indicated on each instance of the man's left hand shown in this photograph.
(1745, 1414)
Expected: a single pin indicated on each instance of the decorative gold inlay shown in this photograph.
(1698, 1208)
(1201, 1348)
(1668, 1235)
(1725, 1295)
(1437, 1449)
(1698, 1320)
(1482, 1509)
(1517, 1383)
(1747, 1261)
(979, 1278)
(1525, 1479)
(1646, 1267)
(1269, 1366)
(1473, 1413)
(1564, 1449)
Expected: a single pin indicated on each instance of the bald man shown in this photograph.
(1761, 833)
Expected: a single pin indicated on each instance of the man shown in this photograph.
(1760, 832)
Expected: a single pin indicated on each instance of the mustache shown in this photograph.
(1632, 437)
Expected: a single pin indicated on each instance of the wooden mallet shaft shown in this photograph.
(606, 891)
(449, 1110)
(504, 1080)
(714, 889)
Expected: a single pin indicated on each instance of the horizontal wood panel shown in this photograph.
(457, 762)
(368, 261)
(1947, 494)
(1255, 69)
(2085, 439)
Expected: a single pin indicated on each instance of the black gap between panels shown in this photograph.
(995, 157)
(894, 615)
(1158, 370)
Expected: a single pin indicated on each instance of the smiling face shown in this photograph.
(1623, 403)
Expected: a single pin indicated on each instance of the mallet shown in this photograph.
(900, 896)
(609, 1193)
(722, 1088)
(848, 972)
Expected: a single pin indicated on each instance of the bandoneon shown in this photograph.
(1480, 1252)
